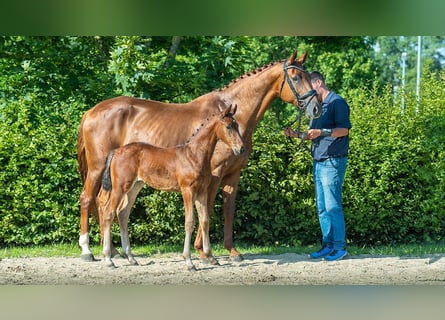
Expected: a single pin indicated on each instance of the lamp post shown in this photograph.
(419, 67)
(403, 79)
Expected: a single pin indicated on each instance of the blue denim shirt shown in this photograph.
(335, 114)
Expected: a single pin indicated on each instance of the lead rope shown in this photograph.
(301, 135)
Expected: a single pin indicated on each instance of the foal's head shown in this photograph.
(227, 130)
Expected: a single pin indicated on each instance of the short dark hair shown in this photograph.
(316, 75)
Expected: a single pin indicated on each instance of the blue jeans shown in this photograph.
(329, 176)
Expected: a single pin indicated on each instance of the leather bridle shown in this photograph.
(301, 103)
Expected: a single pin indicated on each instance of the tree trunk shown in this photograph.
(174, 47)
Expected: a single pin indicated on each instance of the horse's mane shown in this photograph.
(210, 117)
(248, 74)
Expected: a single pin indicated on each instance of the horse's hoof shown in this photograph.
(236, 258)
(110, 264)
(115, 252)
(204, 260)
(192, 269)
(208, 260)
(88, 257)
(133, 262)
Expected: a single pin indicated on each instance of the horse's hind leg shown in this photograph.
(125, 239)
(129, 203)
(114, 251)
(87, 204)
(108, 215)
(123, 215)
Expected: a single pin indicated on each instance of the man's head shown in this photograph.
(316, 77)
(318, 83)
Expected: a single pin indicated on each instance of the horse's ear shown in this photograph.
(234, 109)
(302, 58)
(230, 110)
(292, 57)
(224, 111)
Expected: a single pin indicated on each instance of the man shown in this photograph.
(330, 144)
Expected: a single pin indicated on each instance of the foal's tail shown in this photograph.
(106, 176)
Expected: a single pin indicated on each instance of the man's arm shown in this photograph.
(336, 133)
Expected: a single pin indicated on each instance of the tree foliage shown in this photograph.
(389, 52)
(395, 180)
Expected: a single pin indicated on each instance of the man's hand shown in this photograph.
(289, 132)
(313, 134)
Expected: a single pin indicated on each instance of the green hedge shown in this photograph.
(40, 183)
(393, 190)
(395, 186)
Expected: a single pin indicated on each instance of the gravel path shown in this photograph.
(283, 269)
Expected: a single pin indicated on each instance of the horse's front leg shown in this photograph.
(189, 226)
(204, 223)
(230, 187)
(212, 190)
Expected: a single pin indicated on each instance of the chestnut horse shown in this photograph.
(118, 121)
(184, 168)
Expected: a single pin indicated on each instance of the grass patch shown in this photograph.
(73, 250)
(54, 250)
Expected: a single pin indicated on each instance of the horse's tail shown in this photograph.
(106, 176)
(81, 156)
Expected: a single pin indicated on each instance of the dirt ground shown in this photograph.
(283, 269)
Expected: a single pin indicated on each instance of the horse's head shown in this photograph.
(228, 130)
(298, 90)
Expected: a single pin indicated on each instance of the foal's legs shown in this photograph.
(211, 195)
(123, 215)
(110, 202)
(187, 196)
(204, 222)
(108, 211)
(230, 186)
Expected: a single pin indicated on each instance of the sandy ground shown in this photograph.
(283, 269)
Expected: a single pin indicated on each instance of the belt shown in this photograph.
(332, 157)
